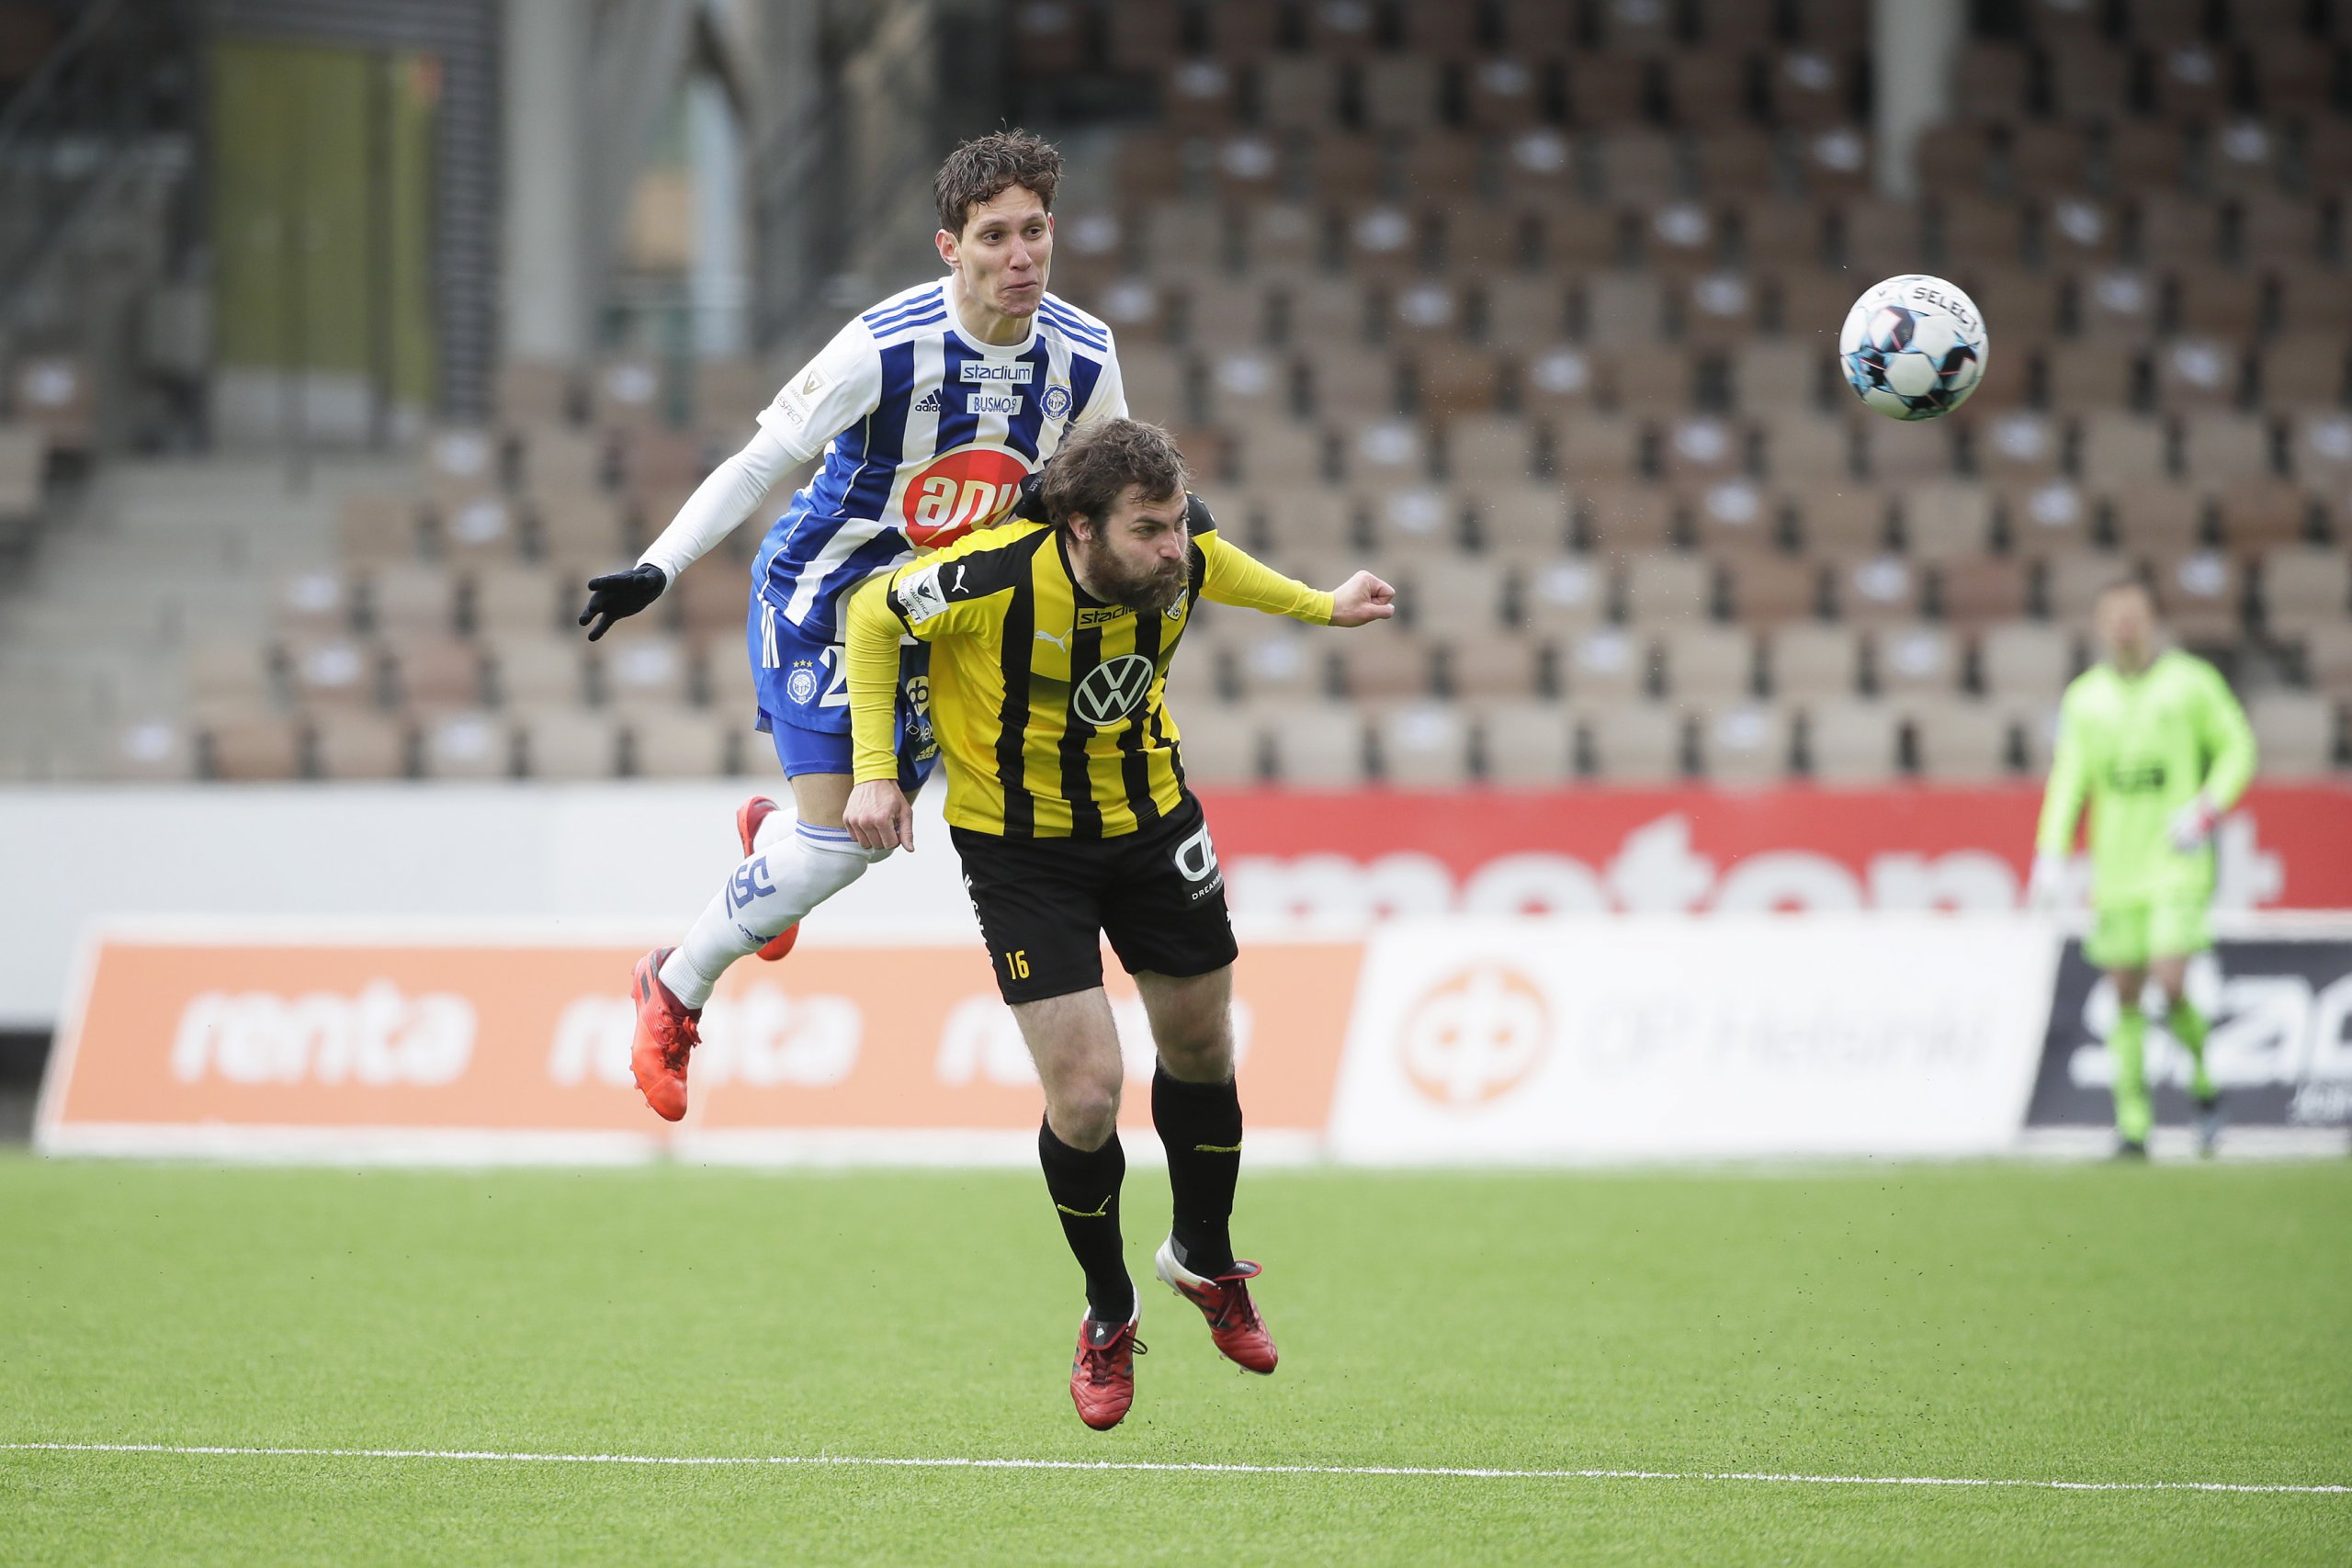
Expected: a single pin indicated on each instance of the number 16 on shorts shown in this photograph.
(1016, 962)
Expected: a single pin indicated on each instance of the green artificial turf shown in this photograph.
(2075, 1322)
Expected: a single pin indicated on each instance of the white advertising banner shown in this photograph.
(1551, 1040)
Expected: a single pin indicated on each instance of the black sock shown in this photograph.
(1201, 1125)
(1085, 1188)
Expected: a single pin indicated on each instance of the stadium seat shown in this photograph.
(336, 673)
(1961, 740)
(359, 746)
(2072, 582)
(1317, 747)
(2121, 448)
(255, 747)
(1453, 596)
(1767, 590)
(2154, 518)
(1621, 518)
(1281, 662)
(2260, 514)
(435, 672)
(537, 671)
(1806, 662)
(1748, 743)
(477, 529)
(557, 461)
(2025, 661)
(1916, 659)
(1635, 743)
(413, 596)
(2305, 589)
(1736, 516)
(1221, 748)
(581, 530)
(377, 528)
(1387, 663)
(317, 603)
(1563, 595)
(1852, 742)
(1486, 451)
(1605, 665)
(1946, 521)
(1843, 522)
(1708, 665)
(2327, 658)
(1414, 523)
(2219, 447)
(2294, 733)
(2047, 514)
(1978, 590)
(2202, 596)
(646, 672)
(1663, 590)
(1525, 520)
(1490, 667)
(466, 746)
(1876, 589)
(533, 393)
(563, 743)
(1424, 746)
(678, 743)
(1526, 744)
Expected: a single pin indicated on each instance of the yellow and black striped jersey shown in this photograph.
(1046, 701)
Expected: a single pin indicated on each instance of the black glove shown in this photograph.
(619, 594)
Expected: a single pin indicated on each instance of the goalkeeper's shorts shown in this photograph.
(2132, 936)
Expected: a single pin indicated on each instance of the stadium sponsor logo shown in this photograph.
(1015, 374)
(2279, 1040)
(378, 1037)
(1103, 616)
(1475, 1036)
(1113, 690)
(760, 1036)
(970, 488)
(1656, 868)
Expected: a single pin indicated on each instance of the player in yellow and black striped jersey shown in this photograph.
(1050, 642)
(1047, 699)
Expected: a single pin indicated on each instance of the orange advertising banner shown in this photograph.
(464, 1047)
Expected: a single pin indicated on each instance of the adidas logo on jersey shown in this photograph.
(930, 403)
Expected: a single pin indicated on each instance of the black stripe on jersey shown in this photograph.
(1135, 768)
(1078, 783)
(1019, 632)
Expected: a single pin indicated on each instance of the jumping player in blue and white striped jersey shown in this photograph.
(929, 410)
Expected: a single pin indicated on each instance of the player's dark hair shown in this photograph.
(987, 166)
(1095, 465)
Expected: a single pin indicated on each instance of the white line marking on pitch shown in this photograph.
(1179, 1467)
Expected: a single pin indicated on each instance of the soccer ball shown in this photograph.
(1913, 347)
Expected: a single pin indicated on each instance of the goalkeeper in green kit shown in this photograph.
(2155, 743)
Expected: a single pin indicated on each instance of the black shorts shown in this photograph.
(1045, 904)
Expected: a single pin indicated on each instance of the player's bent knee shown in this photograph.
(1084, 1114)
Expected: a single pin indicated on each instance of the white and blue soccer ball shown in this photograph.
(1913, 347)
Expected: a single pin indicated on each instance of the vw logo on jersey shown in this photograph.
(1113, 690)
(966, 489)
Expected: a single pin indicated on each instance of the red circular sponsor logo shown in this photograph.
(969, 488)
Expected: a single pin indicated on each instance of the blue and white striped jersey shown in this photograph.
(927, 436)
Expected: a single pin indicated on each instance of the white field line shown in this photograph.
(1434, 1471)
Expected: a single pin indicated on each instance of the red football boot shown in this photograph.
(1233, 1323)
(1103, 1377)
(667, 1030)
(748, 818)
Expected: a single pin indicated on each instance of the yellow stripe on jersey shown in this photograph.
(1048, 704)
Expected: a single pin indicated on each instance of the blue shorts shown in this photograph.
(803, 683)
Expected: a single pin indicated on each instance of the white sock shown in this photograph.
(773, 830)
(766, 894)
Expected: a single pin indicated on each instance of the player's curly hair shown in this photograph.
(987, 166)
(1095, 465)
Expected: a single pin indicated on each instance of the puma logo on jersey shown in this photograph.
(1061, 642)
(957, 586)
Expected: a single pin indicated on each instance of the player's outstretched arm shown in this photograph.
(2062, 808)
(1362, 600)
(879, 816)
